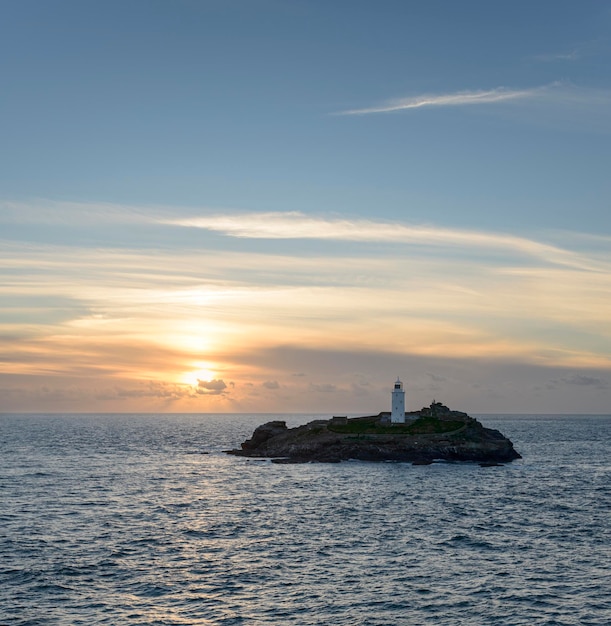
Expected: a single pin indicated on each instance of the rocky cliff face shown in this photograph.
(366, 439)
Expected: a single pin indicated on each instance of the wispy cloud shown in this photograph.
(129, 265)
(81, 213)
(560, 104)
(295, 225)
(571, 55)
(576, 52)
(460, 98)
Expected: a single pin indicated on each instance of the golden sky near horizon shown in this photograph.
(252, 322)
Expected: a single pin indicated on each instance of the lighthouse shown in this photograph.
(398, 404)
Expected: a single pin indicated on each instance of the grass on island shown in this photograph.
(422, 426)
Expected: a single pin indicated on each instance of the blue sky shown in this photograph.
(281, 205)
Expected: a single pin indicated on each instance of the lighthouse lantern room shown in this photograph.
(398, 404)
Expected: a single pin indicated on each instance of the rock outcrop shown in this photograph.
(424, 438)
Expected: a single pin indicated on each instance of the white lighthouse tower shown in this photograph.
(398, 404)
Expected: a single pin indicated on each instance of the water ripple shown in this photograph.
(121, 520)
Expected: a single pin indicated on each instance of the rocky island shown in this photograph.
(420, 437)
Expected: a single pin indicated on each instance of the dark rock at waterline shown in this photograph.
(420, 441)
(263, 433)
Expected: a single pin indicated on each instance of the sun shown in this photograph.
(204, 372)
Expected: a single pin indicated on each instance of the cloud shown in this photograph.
(460, 98)
(271, 384)
(296, 225)
(129, 266)
(323, 388)
(72, 213)
(152, 313)
(572, 55)
(211, 387)
(585, 381)
(57, 392)
(577, 52)
(560, 105)
(152, 389)
(435, 378)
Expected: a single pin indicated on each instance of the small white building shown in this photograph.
(397, 415)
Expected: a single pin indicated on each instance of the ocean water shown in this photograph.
(141, 519)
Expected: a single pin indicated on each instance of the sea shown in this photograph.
(143, 519)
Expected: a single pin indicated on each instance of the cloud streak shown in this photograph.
(265, 225)
(560, 104)
(71, 213)
(573, 55)
(295, 225)
(457, 99)
(577, 52)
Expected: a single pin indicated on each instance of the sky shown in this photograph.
(284, 205)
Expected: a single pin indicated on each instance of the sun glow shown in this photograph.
(204, 371)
